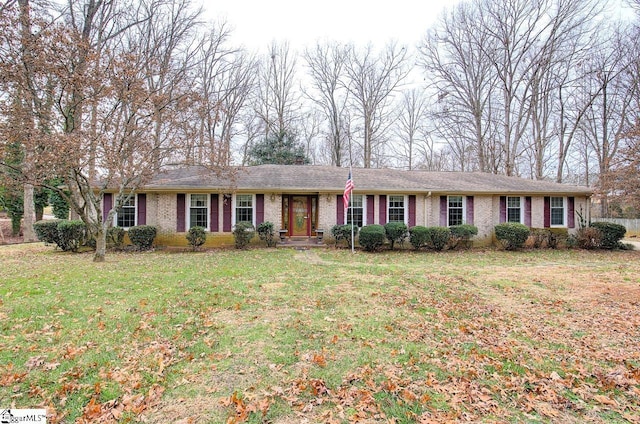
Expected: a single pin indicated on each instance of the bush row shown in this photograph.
(373, 237)
(69, 235)
(597, 235)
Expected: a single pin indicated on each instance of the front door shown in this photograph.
(300, 216)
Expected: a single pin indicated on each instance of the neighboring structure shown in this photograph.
(303, 199)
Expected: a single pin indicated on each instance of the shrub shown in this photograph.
(418, 236)
(611, 234)
(266, 233)
(588, 238)
(196, 236)
(462, 234)
(142, 236)
(372, 237)
(557, 236)
(539, 237)
(395, 232)
(512, 235)
(47, 231)
(243, 232)
(115, 237)
(343, 232)
(438, 237)
(70, 234)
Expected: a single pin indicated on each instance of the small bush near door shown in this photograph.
(266, 233)
(243, 232)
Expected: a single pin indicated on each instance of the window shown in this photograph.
(557, 211)
(244, 208)
(514, 211)
(126, 214)
(455, 210)
(396, 209)
(357, 206)
(199, 210)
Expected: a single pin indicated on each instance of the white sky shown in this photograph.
(256, 23)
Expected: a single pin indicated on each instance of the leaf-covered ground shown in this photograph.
(286, 336)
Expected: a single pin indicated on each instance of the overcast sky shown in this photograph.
(256, 23)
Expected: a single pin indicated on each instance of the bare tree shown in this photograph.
(608, 119)
(372, 80)
(464, 81)
(278, 102)
(326, 65)
(411, 135)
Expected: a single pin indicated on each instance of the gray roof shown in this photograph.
(327, 179)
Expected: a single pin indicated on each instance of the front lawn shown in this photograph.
(287, 336)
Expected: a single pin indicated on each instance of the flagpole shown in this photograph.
(351, 202)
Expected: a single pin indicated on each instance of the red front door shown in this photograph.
(300, 216)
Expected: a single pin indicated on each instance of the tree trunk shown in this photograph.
(29, 215)
(101, 245)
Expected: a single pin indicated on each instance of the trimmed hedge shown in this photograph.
(395, 232)
(196, 236)
(243, 232)
(462, 234)
(71, 234)
(65, 234)
(372, 237)
(512, 235)
(438, 237)
(611, 234)
(47, 231)
(142, 236)
(418, 236)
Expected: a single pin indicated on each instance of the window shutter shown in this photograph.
(107, 204)
(142, 209)
(571, 211)
(412, 211)
(503, 209)
(527, 211)
(383, 209)
(443, 211)
(214, 213)
(180, 212)
(339, 210)
(226, 213)
(470, 210)
(259, 209)
(547, 212)
(371, 213)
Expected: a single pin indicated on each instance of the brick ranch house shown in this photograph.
(305, 201)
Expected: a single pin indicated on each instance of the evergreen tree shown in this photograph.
(279, 149)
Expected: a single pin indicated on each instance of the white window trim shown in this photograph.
(406, 207)
(565, 206)
(522, 200)
(464, 208)
(188, 210)
(364, 210)
(135, 207)
(253, 207)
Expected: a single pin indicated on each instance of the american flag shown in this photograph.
(348, 188)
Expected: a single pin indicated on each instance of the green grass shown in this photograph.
(325, 335)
